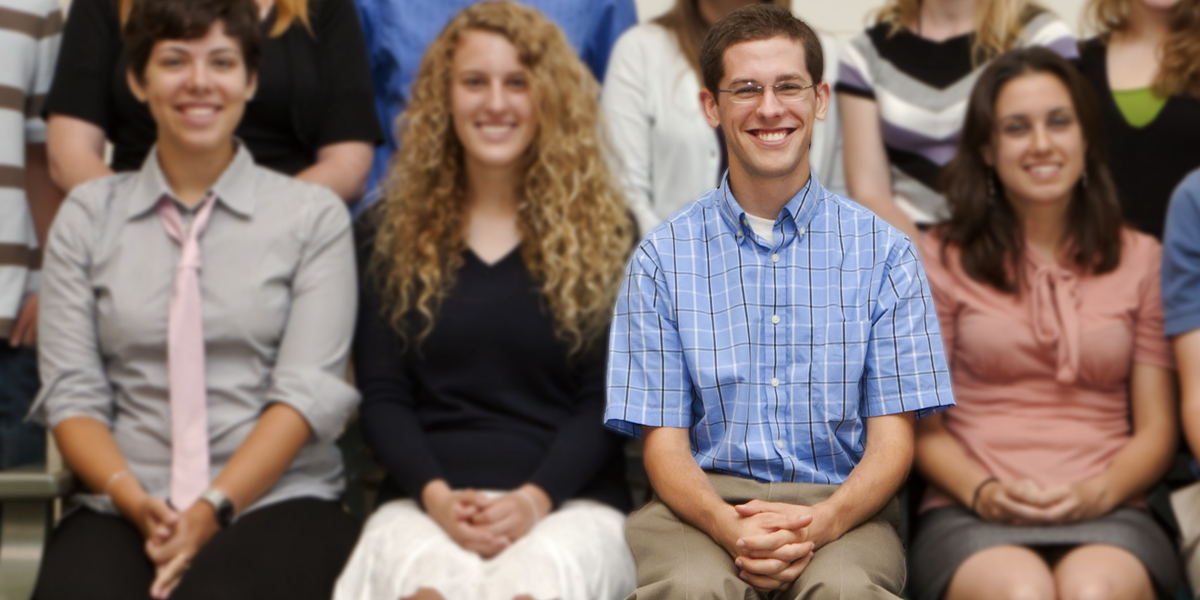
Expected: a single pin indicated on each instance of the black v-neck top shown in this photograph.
(314, 89)
(1148, 162)
(489, 400)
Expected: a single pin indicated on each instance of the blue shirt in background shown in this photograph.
(1181, 258)
(399, 31)
(773, 354)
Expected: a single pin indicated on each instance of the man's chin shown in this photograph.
(773, 171)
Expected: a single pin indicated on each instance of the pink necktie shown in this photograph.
(185, 360)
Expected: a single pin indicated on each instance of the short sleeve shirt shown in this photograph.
(1181, 258)
(1042, 379)
(773, 354)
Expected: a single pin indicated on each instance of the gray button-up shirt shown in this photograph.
(279, 297)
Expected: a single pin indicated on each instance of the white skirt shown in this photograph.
(577, 552)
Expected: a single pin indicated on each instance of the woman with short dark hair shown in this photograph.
(195, 321)
(1052, 319)
(313, 117)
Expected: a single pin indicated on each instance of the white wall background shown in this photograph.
(849, 16)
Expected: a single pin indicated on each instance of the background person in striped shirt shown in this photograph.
(29, 37)
(772, 343)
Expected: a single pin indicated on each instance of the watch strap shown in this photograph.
(221, 504)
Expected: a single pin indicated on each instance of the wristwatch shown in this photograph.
(221, 505)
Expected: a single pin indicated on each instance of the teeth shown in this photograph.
(773, 136)
(495, 129)
(199, 111)
(1044, 170)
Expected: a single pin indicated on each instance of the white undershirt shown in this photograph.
(765, 228)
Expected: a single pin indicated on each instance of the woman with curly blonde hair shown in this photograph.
(491, 267)
(1144, 64)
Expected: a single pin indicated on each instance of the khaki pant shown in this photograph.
(676, 561)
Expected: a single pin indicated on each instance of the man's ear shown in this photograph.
(712, 112)
(824, 96)
(135, 85)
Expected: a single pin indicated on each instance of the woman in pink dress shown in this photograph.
(1051, 314)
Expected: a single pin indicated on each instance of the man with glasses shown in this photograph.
(772, 344)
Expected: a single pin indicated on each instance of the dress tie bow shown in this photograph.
(1055, 302)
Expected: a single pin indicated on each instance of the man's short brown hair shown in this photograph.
(753, 23)
(151, 21)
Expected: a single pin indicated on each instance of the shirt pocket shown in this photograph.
(839, 361)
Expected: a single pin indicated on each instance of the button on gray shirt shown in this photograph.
(279, 297)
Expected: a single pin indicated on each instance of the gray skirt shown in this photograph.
(947, 536)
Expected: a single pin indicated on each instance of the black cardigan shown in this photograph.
(489, 400)
(1146, 163)
(313, 89)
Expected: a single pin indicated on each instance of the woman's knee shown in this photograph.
(1002, 573)
(1102, 572)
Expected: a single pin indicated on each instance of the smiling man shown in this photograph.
(772, 344)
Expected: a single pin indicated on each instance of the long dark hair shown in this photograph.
(983, 225)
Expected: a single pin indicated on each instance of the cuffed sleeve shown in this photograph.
(941, 286)
(69, 359)
(906, 362)
(648, 379)
(308, 374)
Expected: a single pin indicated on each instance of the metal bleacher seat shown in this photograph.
(28, 498)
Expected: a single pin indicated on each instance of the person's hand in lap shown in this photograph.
(769, 548)
(173, 554)
(513, 515)
(452, 511)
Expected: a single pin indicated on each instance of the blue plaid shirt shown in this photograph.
(399, 31)
(773, 354)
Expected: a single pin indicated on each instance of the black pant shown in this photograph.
(292, 550)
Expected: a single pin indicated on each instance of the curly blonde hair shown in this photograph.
(575, 231)
(1179, 69)
(998, 23)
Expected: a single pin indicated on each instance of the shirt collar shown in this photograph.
(800, 209)
(234, 189)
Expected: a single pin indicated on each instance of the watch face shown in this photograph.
(225, 513)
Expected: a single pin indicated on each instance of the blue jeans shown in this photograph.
(20, 443)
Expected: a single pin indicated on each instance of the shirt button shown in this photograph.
(801, 231)
(774, 382)
(775, 319)
(774, 258)
(779, 444)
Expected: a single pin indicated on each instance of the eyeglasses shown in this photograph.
(746, 92)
